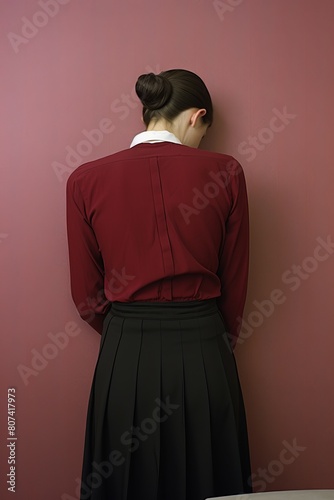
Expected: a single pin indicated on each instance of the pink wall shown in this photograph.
(261, 59)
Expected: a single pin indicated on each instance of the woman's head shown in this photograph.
(173, 96)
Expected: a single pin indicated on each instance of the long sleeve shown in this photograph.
(124, 223)
(234, 258)
(86, 264)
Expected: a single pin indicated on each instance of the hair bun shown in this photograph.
(154, 91)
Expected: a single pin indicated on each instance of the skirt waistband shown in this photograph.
(165, 310)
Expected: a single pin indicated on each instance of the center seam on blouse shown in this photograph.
(167, 257)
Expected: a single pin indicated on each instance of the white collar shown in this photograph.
(154, 136)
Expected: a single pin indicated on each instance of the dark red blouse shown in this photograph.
(158, 222)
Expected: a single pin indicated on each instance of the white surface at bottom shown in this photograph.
(282, 495)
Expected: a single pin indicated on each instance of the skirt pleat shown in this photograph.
(173, 430)
(197, 415)
(145, 452)
(166, 418)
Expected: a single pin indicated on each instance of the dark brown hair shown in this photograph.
(170, 92)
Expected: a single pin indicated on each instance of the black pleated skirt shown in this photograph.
(166, 417)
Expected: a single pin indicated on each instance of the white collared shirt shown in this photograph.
(154, 136)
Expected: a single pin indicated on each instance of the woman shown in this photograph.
(158, 248)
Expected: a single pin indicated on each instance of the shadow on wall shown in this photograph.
(216, 137)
